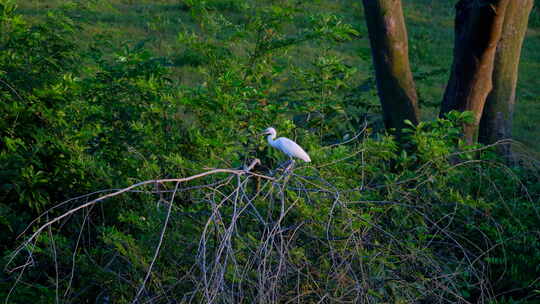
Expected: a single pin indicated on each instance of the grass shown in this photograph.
(429, 22)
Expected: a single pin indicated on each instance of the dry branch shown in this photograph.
(127, 189)
(245, 253)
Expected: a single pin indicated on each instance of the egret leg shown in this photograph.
(284, 164)
(290, 165)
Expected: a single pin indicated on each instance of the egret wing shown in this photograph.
(292, 149)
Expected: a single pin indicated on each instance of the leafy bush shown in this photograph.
(372, 220)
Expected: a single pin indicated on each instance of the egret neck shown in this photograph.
(271, 137)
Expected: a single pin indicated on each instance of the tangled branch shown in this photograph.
(292, 238)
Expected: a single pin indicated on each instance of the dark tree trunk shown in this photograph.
(496, 122)
(478, 29)
(389, 46)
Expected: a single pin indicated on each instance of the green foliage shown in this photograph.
(437, 139)
(368, 221)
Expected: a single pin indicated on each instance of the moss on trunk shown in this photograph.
(389, 45)
(478, 30)
(496, 120)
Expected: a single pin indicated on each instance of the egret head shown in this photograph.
(269, 131)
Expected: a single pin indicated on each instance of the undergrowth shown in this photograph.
(371, 220)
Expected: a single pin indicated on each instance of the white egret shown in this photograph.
(286, 145)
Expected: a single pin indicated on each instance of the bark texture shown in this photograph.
(496, 122)
(478, 29)
(389, 46)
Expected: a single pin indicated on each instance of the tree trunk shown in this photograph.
(496, 122)
(389, 46)
(478, 29)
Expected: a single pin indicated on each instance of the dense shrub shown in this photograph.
(372, 220)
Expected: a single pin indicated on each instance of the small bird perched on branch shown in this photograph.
(286, 145)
